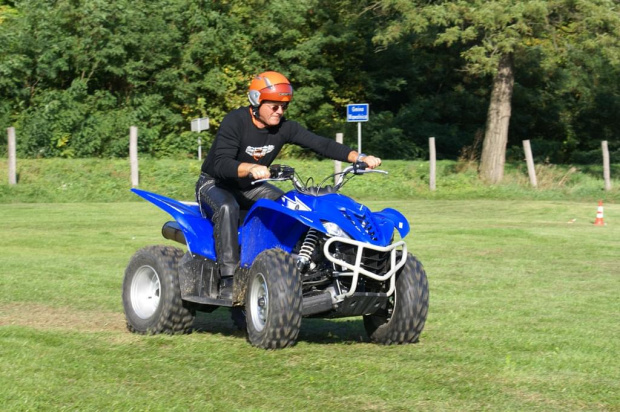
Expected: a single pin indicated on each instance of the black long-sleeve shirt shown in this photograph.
(238, 141)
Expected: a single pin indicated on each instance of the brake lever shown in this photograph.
(269, 179)
(361, 172)
(278, 173)
(360, 168)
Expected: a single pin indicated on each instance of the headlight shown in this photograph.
(334, 230)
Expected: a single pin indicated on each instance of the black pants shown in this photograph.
(222, 205)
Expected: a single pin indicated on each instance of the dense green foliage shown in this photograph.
(560, 50)
(75, 74)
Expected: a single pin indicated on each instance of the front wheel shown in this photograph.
(151, 293)
(274, 301)
(403, 317)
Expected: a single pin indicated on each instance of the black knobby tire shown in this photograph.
(402, 320)
(151, 293)
(273, 301)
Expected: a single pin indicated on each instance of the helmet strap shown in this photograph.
(258, 122)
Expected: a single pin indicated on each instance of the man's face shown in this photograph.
(271, 113)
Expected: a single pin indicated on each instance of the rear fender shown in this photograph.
(197, 230)
(270, 225)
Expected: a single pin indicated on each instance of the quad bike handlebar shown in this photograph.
(283, 172)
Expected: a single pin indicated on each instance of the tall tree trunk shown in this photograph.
(498, 118)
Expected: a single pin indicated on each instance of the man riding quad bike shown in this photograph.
(308, 252)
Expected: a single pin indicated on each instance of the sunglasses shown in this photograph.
(276, 106)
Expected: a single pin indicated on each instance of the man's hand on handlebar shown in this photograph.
(259, 172)
(372, 161)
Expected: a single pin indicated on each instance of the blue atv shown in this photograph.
(312, 253)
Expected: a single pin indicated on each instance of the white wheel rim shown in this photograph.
(259, 302)
(145, 292)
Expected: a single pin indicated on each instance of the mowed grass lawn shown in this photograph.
(524, 315)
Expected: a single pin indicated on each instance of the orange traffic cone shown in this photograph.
(599, 215)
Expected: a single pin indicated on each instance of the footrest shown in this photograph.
(208, 301)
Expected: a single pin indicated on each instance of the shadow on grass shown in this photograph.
(320, 331)
(341, 331)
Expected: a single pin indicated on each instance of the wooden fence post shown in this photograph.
(531, 170)
(606, 167)
(12, 156)
(433, 162)
(338, 163)
(133, 155)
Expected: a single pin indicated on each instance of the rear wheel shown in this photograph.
(273, 302)
(151, 293)
(403, 317)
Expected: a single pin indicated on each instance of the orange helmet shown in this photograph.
(271, 86)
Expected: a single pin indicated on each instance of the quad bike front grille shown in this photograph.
(372, 260)
(357, 259)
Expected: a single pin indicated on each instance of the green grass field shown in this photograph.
(524, 315)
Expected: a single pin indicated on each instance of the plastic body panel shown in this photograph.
(198, 231)
(280, 224)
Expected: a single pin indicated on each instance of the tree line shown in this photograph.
(480, 76)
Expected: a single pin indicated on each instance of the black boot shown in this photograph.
(226, 288)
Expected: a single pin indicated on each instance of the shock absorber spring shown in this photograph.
(305, 252)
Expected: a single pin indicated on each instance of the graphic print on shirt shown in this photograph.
(258, 152)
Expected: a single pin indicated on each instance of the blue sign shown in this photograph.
(357, 112)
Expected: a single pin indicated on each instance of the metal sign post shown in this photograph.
(358, 112)
(198, 125)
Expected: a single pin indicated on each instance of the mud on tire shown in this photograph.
(151, 293)
(274, 300)
(403, 318)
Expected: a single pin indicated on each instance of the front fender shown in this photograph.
(400, 222)
(270, 225)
